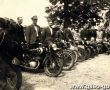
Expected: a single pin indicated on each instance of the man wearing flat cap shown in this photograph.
(33, 31)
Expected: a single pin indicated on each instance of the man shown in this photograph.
(85, 33)
(19, 21)
(64, 34)
(20, 29)
(59, 34)
(68, 35)
(47, 34)
(75, 34)
(99, 35)
(106, 33)
(33, 32)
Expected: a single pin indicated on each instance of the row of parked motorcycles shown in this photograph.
(54, 57)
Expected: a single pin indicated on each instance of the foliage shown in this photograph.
(76, 13)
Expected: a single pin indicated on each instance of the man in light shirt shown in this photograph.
(33, 33)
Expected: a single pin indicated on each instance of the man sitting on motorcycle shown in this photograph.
(64, 34)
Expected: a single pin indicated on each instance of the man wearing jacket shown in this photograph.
(20, 29)
(64, 34)
(33, 32)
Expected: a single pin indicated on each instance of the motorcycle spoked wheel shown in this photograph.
(93, 52)
(88, 53)
(108, 52)
(74, 54)
(107, 48)
(69, 58)
(100, 48)
(95, 49)
(14, 78)
(81, 54)
(53, 66)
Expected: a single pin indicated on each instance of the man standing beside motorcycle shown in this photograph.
(33, 33)
(20, 29)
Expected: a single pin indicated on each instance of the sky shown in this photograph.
(25, 9)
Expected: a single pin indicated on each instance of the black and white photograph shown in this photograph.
(54, 44)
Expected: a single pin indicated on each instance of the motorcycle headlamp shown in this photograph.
(40, 50)
(54, 47)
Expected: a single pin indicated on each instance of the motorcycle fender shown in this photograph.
(45, 59)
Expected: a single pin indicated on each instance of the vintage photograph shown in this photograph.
(54, 44)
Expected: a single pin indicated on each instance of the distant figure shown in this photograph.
(93, 33)
(76, 34)
(33, 32)
(106, 33)
(60, 34)
(99, 33)
(85, 34)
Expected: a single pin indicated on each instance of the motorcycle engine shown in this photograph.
(34, 63)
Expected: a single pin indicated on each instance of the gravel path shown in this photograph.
(94, 71)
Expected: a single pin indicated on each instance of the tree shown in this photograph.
(76, 13)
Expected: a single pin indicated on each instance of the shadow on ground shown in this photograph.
(27, 86)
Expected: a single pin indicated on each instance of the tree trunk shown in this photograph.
(66, 13)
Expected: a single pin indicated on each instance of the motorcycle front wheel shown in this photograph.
(53, 66)
(88, 53)
(69, 58)
(81, 54)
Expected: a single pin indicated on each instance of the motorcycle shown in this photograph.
(43, 57)
(100, 47)
(68, 54)
(106, 45)
(87, 50)
(94, 49)
(81, 51)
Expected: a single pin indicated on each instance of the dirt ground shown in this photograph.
(94, 71)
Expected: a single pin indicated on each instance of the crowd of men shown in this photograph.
(34, 33)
